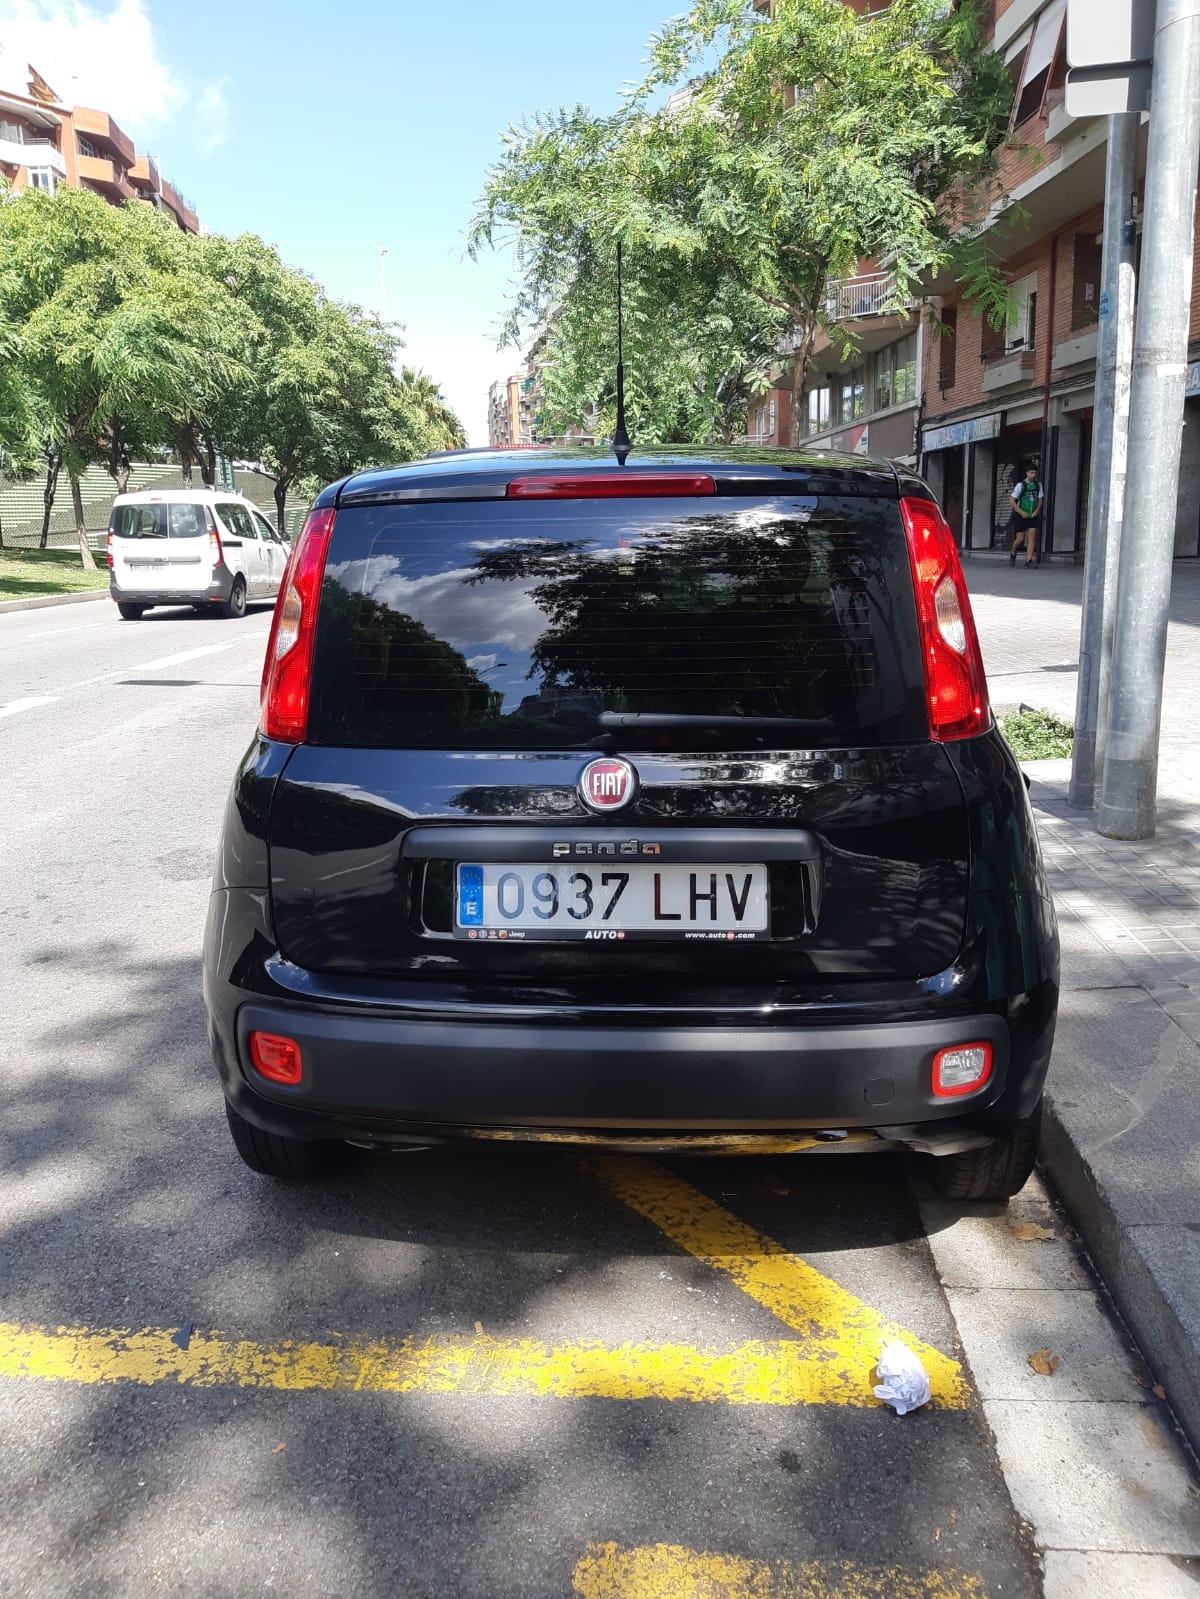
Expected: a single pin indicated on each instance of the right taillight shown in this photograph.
(108, 554)
(287, 670)
(955, 684)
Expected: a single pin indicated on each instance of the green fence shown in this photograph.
(21, 504)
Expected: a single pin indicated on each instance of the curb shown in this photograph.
(38, 601)
(1161, 1326)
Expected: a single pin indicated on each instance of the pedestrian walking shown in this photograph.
(1027, 498)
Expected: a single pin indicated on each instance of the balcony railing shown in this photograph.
(873, 294)
(33, 153)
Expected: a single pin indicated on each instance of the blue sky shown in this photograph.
(332, 129)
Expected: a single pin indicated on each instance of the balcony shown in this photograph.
(871, 295)
(180, 208)
(32, 153)
(143, 174)
(1012, 370)
(1078, 350)
(99, 125)
(106, 176)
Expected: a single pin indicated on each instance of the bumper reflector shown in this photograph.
(961, 1069)
(276, 1058)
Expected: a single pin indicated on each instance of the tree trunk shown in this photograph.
(281, 488)
(208, 463)
(52, 468)
(85, 555)
(186, 456)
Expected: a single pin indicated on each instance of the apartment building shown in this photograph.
(935, 384)
(44, 143)
(511, 411)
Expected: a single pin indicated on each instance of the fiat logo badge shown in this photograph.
(607, 784)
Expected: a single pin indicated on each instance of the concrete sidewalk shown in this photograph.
(1122, 1141)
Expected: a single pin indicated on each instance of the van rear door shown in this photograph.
(757, 661)
(161, 546)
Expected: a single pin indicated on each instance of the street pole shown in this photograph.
(383, 298)
(1106, 494)
(1127, 793)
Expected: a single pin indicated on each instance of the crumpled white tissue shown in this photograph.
(903, 1382)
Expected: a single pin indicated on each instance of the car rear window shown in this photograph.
(159, 520)
(783, 622)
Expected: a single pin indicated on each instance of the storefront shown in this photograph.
(958, 462)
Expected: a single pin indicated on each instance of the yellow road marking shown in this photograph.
(839, 1329)
(668, 1571)
(754, 1373)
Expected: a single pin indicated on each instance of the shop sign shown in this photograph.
(955, 433)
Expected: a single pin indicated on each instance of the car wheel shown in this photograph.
(998, 1171)
(131, 612)
(273, 1155)
(235, 605)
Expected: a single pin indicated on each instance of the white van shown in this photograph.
(196, 547)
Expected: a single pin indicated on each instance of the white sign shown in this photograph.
(1110, 50)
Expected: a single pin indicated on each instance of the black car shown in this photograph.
(656, 806)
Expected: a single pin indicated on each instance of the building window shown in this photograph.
(851, 395)
(819, 409)
(948, 349)
(43, 178)
(1085, 281)
(12, 132)
(1039, 62)
(1020, 330)
(86, 147)
(896, 374)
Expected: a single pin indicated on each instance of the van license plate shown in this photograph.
(726, 902)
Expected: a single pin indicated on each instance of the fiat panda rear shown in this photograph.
(658, 807)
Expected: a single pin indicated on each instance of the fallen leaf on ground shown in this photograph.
(1159, 1391)
(1044, 1363)
(1029, 1232)
(278, 1449)
(479, 1329)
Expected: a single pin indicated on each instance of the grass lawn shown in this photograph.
(26, 574)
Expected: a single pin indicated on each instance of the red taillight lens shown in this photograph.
(214, 547)
(955, 685)
(276, 1057)
(108, 548)
(288, 667)
(622, 485)
(961, 1069)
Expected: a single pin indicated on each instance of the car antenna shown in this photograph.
(621, 441)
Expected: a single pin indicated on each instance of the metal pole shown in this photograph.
(1110, 423)
(383, 297)
(1127, 793)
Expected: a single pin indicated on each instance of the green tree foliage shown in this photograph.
(121, 336)
(794, 146)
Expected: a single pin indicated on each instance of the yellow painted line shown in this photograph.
(839, 1329)
(668, 1571)
(780, 1373)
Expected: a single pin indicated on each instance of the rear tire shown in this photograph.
(996, 1172)
(235, 605)
(130, 611)
(273, 1155)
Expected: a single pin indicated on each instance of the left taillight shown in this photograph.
(215, 551)
(955, 683)
(287, 670)
(108, 554)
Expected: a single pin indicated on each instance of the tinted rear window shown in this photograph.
(662, 624)
(159, 520)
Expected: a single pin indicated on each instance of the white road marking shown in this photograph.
(61, 632)
(14, 706)
(156, 666)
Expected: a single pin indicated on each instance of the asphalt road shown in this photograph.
(488, 1373)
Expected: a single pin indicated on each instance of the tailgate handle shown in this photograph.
(499, 841)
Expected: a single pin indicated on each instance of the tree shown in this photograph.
(796, 144)
(428, 416)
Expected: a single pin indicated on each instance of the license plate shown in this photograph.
(723, 902)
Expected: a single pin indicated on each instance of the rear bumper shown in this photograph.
(215, 592)
(366, 1076)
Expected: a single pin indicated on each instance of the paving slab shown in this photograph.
(1097, 1476)
(1072, 1575)
(1002, 1328)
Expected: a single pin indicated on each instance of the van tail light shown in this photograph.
(961, 1069)
(287, 670)
(955, 684)
(108, 554)
(623, 485)
(276, 1058)
(214, 547)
